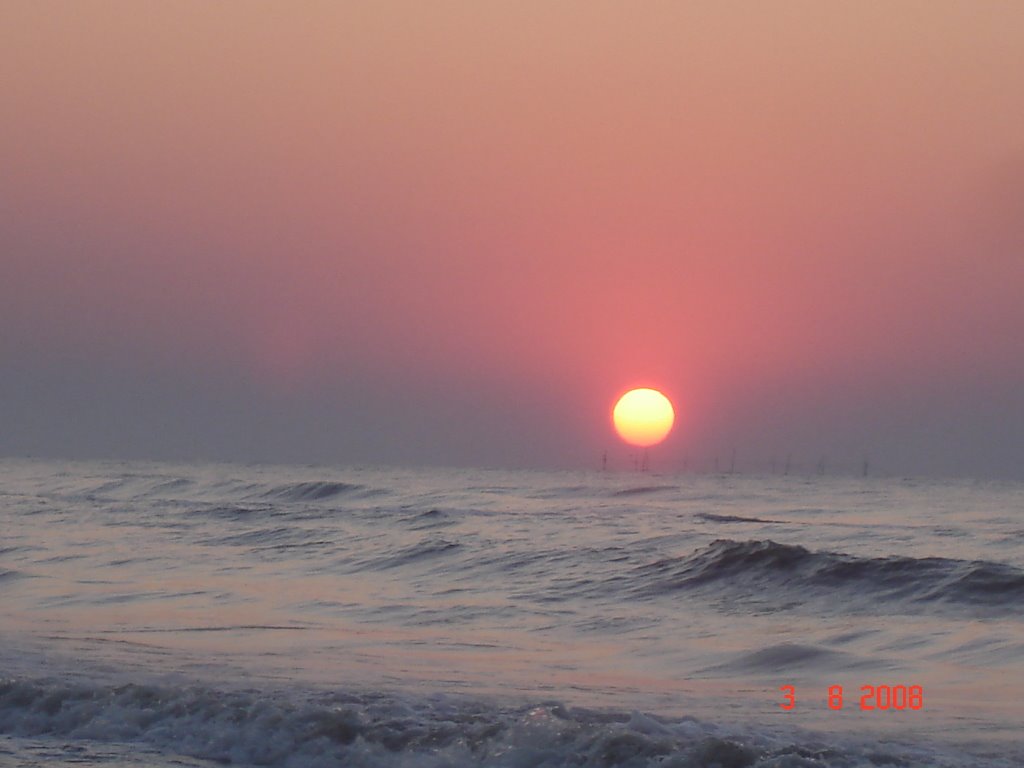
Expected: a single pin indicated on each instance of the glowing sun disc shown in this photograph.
(643, 417)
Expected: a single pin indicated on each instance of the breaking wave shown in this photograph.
(792, 572)
(260, 728)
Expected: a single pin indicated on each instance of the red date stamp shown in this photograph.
(872, 697)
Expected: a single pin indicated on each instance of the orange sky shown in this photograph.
(453, 232)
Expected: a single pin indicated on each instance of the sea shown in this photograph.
(157, 614)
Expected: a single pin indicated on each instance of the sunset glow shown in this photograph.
(362, 231)
(514, 352)
(643, 417)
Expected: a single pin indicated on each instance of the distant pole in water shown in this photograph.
(604, 461)
(821, 466)
(865, 474)
(643, 463)
(732, 461)
(716, 465)
(789, 458)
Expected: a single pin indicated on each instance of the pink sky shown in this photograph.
(453, 232)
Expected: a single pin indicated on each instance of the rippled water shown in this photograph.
(157, 614)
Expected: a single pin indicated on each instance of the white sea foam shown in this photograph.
(253, 728)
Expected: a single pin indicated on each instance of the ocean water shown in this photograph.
(198, 615)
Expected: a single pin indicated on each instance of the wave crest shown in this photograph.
(767, 568)
(309, 491)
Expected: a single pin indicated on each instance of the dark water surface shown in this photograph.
(157, 614)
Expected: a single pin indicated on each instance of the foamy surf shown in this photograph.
(260, 728)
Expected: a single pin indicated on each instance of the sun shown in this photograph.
(643, 417)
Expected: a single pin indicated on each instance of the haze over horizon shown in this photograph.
(454, 233)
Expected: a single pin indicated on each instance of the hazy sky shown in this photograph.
(453, 232)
